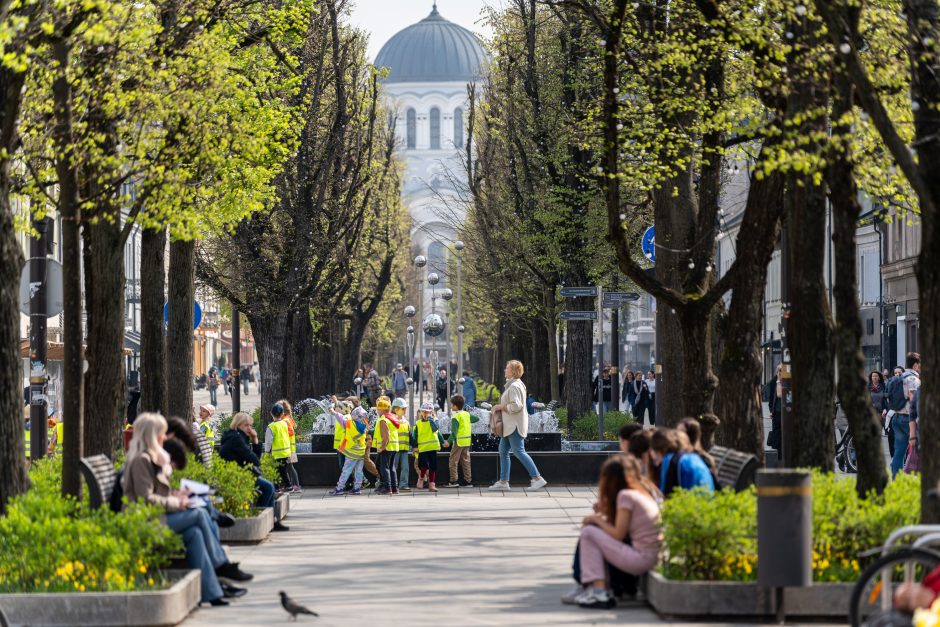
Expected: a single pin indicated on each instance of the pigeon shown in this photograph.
(294, 608)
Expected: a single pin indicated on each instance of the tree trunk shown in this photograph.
(578, 371)
(864, 422)
(272, 343)
(70, 211)
(179, 337)
(104, 302)
(308, 376)
(698, 399)
(540, 362)
(551, 329)
(12, 455)
(153, 388)
(740, 408)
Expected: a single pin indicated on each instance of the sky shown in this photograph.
(384, 18)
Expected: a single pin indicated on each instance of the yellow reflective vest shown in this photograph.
(463, 428)
(392, 434)
(280, 448)
(59, 437)
(206, 429)
(292, 434)
(404, 435)
(27, 443)
(427, 437)
(339, 432)
(355, 441)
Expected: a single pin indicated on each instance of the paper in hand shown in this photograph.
(194, 487)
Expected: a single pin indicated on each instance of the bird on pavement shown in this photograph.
(294, 608)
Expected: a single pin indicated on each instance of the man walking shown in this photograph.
(399, 384)
(904, 429)
(373, 385)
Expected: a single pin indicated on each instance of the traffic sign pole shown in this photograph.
(37, 339)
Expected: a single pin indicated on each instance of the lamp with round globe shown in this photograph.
(434, 278)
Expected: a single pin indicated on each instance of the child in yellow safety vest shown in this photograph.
(404, 444)
(459, 439)
(385, 440)
(426, 440)
(292, 434)
(340, 411)
(353, 448)
(277, 443)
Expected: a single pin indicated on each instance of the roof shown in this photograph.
(433, 50)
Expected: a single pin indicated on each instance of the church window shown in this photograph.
(411, 128)
(458, 127)
(435, 128)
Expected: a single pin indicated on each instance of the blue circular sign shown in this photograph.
(197, 314)
(648, 244)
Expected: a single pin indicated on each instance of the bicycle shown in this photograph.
(873, 594)
(846, 455)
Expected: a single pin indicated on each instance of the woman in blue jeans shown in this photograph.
(146, 478)
(515, 428)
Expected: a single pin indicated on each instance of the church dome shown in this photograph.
(434, 50)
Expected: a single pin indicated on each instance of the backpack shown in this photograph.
(672, 474)
(894, 392)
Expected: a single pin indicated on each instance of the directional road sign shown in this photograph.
(579, 315)
(54, 304)
(649, 244)
(576, 292)
(613, 300)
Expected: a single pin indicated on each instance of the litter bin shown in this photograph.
(784, 531)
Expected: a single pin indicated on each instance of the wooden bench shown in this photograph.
(100, 476)
(734, 469)
(204, 454)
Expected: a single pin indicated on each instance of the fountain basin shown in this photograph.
(479, 442)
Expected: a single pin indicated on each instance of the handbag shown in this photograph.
(496, 423)
(912, 460)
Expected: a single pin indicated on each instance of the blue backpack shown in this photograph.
(894, 392)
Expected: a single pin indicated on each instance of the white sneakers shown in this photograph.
(596, 598)
(537, 484)
(503, 486)
(572, 597)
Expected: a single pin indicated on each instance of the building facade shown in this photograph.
(430, 65)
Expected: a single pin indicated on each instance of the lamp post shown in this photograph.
(447, 295)
(420, 262)
(459, 246)
(410, 341)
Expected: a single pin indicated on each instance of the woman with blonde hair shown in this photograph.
(146, 477)
(292, 431)
(515, 419)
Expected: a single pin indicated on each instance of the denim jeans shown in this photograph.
(265, 492)
(515, 442)
(213, 396)
(404, 468)
(351, 467)
(900, 423)
(203, 550)
(388, 470)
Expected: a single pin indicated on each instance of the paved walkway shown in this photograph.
(461, 557)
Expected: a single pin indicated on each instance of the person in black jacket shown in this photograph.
(240, 444)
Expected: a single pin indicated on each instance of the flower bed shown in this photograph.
(52, 544)
(714, 537)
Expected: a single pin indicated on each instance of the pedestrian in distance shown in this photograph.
(441, 388)
(604, 384)
(515, 428)
(469, 390)
(628, 395)
(399, 381)
(212, 383)
(460, 440)
(899, 391)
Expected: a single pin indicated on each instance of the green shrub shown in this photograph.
(269, 469)
(225, 423)
(585, 427)
(234, 483)
(52, 544)
(713, 537)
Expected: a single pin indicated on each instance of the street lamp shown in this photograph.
(447, 295)
(420, 262)
(459, 246)
(410, 340)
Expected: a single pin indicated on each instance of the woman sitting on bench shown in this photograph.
(146, 477)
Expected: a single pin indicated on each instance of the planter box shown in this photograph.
(730, 598)
(281, 506)
(162, 607)
(249, 530)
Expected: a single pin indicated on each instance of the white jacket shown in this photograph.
(515, 417)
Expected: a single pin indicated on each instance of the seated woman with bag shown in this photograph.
(147, 477)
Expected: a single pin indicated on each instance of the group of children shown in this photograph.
(392, 437)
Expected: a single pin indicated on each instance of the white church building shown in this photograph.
(430, 64)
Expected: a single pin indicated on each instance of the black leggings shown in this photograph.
(283, 472)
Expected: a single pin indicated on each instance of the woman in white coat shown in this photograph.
(515, 428)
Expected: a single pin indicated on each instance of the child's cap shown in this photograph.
(277, 410)
(427, 407)
(359, 413)
(399, 402)
(383, 403)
